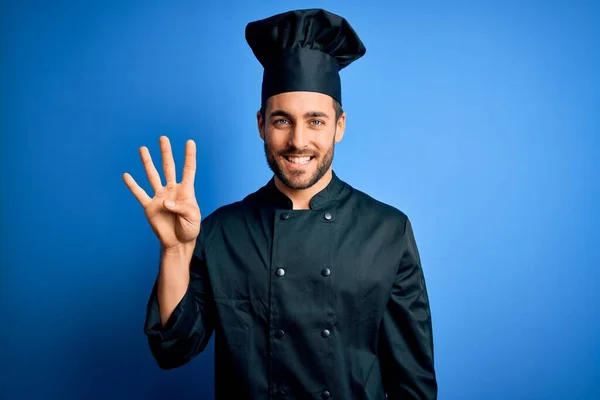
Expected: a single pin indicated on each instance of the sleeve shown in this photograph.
(406, 338)
(189, 329)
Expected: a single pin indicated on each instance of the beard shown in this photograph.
(298, 180)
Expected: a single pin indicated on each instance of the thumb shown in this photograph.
(170, 204)
(182, 209)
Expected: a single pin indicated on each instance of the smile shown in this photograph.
(299, 160)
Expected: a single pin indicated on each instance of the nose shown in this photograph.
(299, 137)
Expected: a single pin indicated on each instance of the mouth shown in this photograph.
(298, 161)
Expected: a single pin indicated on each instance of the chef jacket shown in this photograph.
(324, 303)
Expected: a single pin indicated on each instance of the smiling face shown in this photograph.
(300, 130)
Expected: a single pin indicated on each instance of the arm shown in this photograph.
(406, 338)
(180, 313)
(173, 278)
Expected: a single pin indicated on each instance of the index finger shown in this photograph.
(189, 164)
(137, 191)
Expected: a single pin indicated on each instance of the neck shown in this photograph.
(301, 197)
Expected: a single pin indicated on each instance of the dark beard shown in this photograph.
(324, 163)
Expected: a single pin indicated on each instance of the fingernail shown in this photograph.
(170, 203)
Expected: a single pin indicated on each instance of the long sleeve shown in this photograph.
(191, 325)
(406, 338)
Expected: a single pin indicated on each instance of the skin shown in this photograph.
(296, 123)
(174, 216)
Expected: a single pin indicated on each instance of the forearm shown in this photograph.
(407, 360)
(173, 279)
(180, 314)
(407, 337)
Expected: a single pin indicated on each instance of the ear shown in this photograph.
(261, 125)
(340, 128)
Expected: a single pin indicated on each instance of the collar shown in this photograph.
(274, 197)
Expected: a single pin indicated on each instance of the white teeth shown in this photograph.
(299, 160)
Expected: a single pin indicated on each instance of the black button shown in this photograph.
(325, 271)
(280, 393)
(328, 216)
(285, 216)
(325, 333)
(280, 272)
(326, 395)
(279, 334)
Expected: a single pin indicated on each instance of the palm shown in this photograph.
(171, 228)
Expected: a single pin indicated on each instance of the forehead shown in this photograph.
(301, 102)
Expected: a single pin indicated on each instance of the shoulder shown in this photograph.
(220, 216)
(368, 206)
(229, 214)
(373, 214)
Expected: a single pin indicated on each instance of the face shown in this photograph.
(299, 132)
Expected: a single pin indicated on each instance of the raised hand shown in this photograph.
(173, 212)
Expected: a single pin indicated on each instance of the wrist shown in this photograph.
(179, 250)
(177, 258)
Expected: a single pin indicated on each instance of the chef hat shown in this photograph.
(303, 50)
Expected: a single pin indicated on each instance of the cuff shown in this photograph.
(180, 321)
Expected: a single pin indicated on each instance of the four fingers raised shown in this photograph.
(189, 169)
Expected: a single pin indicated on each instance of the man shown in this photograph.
(314, 290)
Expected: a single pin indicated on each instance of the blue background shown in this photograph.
(481, 122)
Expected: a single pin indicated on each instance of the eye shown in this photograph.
(281, 121)
(317, 122)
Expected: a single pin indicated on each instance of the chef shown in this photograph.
(312, 288)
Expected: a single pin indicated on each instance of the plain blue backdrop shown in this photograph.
(480, 120)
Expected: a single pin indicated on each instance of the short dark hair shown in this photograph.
(336, 106)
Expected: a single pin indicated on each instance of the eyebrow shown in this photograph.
(310, 114)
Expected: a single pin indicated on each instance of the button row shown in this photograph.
(279, 334)
(286, 215)
(324, 272)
